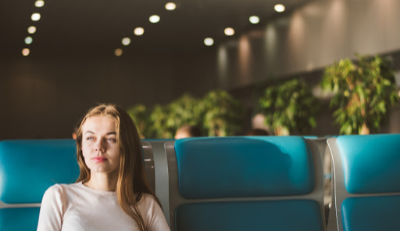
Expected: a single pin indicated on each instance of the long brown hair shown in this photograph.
(131, 182)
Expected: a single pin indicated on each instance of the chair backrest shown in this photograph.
(27, 169)
(156, 167)
(245, 183)
(366, 181)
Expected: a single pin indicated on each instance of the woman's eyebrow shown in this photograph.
(111, 133)
(91, 132)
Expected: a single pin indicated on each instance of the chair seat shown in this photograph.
(256, 215)
(371, 213)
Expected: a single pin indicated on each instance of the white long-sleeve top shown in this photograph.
(78, 207)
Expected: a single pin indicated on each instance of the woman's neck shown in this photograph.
(102, 181)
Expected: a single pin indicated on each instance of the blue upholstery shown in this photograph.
(237, 183)
(371, 164)
(243, 167)
(367, 164)
(29, 167)
(260, 215)
(371, 213)
(19, 218)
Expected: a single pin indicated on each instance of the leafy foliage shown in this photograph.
(217, 114)
(289, 107)
(139, 115)
(364, 92)
(184, 111)
(158, 123)
(222, 113)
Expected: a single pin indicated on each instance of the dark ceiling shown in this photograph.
(96, 27)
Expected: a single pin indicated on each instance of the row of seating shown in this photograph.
(231, 183)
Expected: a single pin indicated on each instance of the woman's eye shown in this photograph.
(90, 138)
(112, 140)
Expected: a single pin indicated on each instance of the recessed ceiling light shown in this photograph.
(209, 41)
(39, 3)
(35, 17)
(31, 30)
(229, 31)
(26, 52)
(154, 19)
(170, 6)
(126, 41)
(254, 19)
(118, 52)
(279, 8)
(138, 31)
(28, 40)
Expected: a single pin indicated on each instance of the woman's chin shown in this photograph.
(101, 169)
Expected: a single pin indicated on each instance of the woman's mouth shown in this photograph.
(99, 159)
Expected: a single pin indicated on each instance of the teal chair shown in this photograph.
(156, 168)
(366, 181)
(245, 183)
(27, 169)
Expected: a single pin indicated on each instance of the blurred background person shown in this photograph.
(187, 131)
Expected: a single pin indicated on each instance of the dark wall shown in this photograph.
(44, 98)
(309, 38)
(302, 43)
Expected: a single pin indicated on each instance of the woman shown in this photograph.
(111, 192)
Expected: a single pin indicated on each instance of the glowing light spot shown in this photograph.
(35, 17)
(209, 41)
(279, 8)
(170, 6)
(126, 41)
(31, 30)
(254, 19)
(118, 52)
(138, 31)
(154, 19)
(26, 52)
(39, 3)
(229, 31)
(28, 40)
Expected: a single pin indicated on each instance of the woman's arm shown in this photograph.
(51, 210)
(153, 215)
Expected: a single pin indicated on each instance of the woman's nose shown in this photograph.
(100, 145)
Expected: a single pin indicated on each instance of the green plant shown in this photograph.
(165, 120)
(222, 114)
(139, 115)
(218, 114)
(158, 121)
(184, 111)
(289, 107)
(363, 91)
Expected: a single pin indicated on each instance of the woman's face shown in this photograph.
(100, 147)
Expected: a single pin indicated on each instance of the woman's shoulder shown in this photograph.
(60, 189)
(152, 213)
(54, 189)
(148, 198)
(148, 201)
